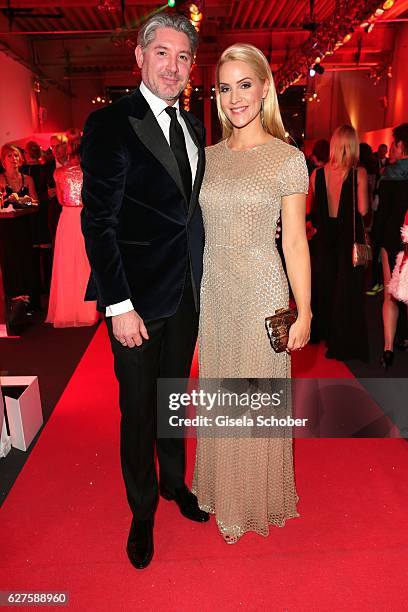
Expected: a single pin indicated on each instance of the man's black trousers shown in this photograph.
(167, 354)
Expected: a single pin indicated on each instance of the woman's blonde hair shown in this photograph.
(271, 117)
(344, 147)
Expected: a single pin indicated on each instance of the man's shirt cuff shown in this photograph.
(119, 308)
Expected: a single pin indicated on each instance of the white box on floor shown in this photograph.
(23, 408)
(5, 441)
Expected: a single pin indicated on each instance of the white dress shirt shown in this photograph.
(158, 107)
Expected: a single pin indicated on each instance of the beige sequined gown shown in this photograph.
(247, 483)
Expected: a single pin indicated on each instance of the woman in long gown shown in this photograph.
(338, 287)
(70, 270)
(252, 176)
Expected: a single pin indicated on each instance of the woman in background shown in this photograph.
(70, 271)
(338, 293)
(14, 185)
(16, 188)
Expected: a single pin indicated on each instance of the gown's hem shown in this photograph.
(233, 534)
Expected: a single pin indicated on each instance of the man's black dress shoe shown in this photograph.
(140, 543)
(187, 502)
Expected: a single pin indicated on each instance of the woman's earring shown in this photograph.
(262, 111)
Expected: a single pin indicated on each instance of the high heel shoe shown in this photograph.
(387, 359)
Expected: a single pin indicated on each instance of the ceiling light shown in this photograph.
(388, 4)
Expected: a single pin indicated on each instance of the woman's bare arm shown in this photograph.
(362, 191)
(297, 258)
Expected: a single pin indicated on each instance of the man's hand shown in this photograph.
(129, 329)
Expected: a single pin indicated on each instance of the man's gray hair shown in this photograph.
(177, 22)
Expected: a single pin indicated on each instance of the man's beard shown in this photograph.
(167, 96)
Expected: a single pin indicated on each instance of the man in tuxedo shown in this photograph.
(381, 159)
(143, 164)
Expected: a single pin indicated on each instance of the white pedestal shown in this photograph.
(24, 413)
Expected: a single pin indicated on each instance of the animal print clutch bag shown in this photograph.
(277, 327)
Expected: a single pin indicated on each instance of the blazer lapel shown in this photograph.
(200, 164)
(150, 134)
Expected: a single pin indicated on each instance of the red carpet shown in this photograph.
(65, 522)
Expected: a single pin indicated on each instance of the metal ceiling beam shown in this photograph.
(236, 31)
(267, 14)
(55, 32)
(250, 8)
(237, 14)
(256, 14)
(40, 4)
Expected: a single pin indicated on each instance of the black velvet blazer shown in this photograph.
(140, 231)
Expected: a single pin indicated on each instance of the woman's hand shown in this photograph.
(299, 333)
(29, 199)
(310, 230)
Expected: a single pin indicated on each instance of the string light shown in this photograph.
(101, 100)
(124, 37)
(187, 96)
(196, 16)
(316, 68)
(384, 69)
(328, 37)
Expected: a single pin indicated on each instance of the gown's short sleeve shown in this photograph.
(294, 174)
